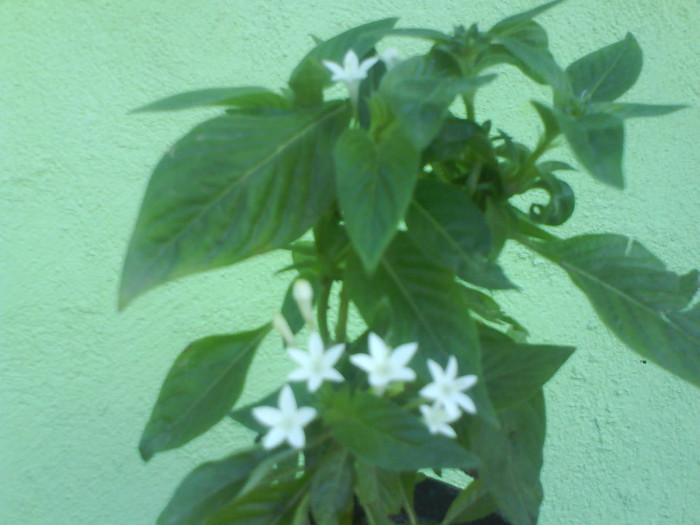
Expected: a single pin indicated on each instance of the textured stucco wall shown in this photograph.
(77, 379)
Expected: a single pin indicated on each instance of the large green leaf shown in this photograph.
(233, 187)
(310, 77)
(426, 306)
(375, 183)
(512, 459)
(379, 432)
(607, 73)
(634, 294)
(451, 230)
(331, 487)
(597, 140)
(242, 97)
(515, 372)
(209, 488)
(199, 390)
(264, 505)
(419, 95)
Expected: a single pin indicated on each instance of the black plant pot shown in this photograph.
(431, 499)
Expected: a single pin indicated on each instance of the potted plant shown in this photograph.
(394, 199)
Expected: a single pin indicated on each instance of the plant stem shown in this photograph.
(469, 107)
(322, 311)
(341, 326)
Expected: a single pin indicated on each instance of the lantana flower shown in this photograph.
(438, 420)
(448, 390)
(316, 365)
(383, 365)
(352, 72)
(286, 422)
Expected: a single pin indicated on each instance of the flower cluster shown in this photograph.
(383, 366)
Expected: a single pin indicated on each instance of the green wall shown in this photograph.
(78, 379)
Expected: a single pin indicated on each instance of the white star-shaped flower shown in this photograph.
(437, 419)
(286, 422)
(447, 389)
(352, 72)
(383, 365)
(316, 365)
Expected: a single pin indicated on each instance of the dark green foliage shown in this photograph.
(395, 203)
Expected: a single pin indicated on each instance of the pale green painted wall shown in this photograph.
(78, 379)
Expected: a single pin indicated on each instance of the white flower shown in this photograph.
(383, 365)
(315, 366)
(436, 418)
(390, 57)
(286, 422)
(352, 72)
(447, 389)
(303, 294)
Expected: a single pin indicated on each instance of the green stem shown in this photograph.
(469, 107)
(322, 310)
(412, 518)
(341, 327)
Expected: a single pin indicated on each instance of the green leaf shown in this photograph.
(419, 96)
(375, 183)
(331, 487)
(512, 459)
(597, 140)
(242, 97)
(379, 432)
(561, 201)
(515, 372)
(199, 390)
(536, 62)
(310, 77)
(643, 303)
(209, 488)
(264, 505)
(472, 504)
(233, 187)
(608, 73)
(451, 231)
(426, 307)
(514, 22)
(629, 110)
(379, 490)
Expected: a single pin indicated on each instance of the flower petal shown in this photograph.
(286, 402)
(299, 356)
(305, 415)
(435, 370)
(268, 416)
(330, 358)
(451, 369)
(403, 354)
(296, 438)
(466, 403)
(363, 361)
(465, 382)
(273, 438)
(377, 347)
(300, 374)
(315, 345)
